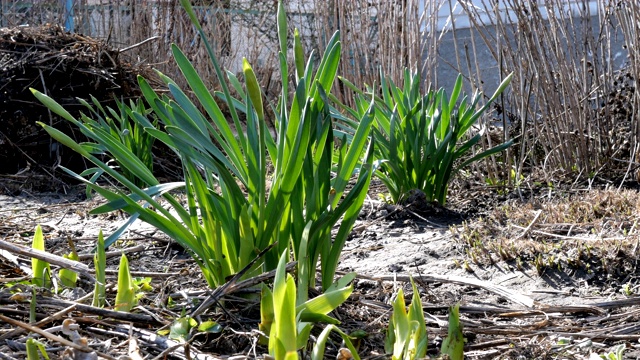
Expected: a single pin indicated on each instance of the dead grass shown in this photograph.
(593, 231)
(382, 36)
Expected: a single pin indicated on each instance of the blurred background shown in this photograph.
(572, 108)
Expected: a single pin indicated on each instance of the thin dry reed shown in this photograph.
(379, 34)
(383, 35)
(15, 13)
(628, 16)
(566, 87)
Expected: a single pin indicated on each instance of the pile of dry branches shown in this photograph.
(62, 65)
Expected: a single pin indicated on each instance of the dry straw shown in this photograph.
(573, 113)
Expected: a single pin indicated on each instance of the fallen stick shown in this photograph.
(50, 258)
(496, 289)
(139, 44)
(42, 322)
(92, 310)
(53, 337)
(530, 225)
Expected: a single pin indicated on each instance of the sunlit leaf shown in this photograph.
(210, 327)
(41, 269)
(453, 344)
(181, 327)
(100, 265)
(68, 277)
(126, 293)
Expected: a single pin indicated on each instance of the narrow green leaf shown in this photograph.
(304, 266)
(186, 4)
(455, 94)
(318, 349)
(503, 85)
(33, 306)
(401, 327)
(353, 155)
(52, 105)
(284, 305)
(120, 203)
(419, 341)
(253, 88)
(326, 302)
(100, 264)
(328, 67)
(207, 101)
(350, 207)
(210, 327)
(35, 349)
(125, 295)
(304, 332)
(282, 27)
(488, 152)
(267, 316)
(152, 99)
(68, 277)
(41, 269)
(298, 53)
(65, 140)
(313, 317)
(453, 344)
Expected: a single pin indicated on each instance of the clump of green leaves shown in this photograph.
(453, 344)
(117, 125)
(422, 139)
(41, 269)
(234, 208)
(616, 353)
(185, 326)
(181, 328)
(288, 319)
(407, 332)
(35, 349)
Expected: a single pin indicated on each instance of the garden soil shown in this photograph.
(530, 285)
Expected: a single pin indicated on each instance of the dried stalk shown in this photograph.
(563, 59)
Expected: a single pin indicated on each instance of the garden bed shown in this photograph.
(541, 278)
(539, 267)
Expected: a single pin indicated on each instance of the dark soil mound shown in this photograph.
(64, 66)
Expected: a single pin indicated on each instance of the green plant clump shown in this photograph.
(288, 318)
(422, 140)
(120, 128)
(407, 333)
(234, 207)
